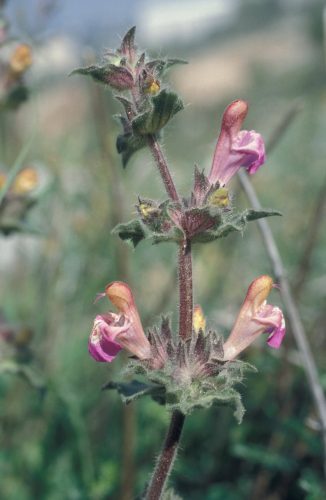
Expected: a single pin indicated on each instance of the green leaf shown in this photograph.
(96, 72)
(127, 47)
(8, 227)
(128, 144)
(231, 396)
(164, 106)
(170, 494)
(16, 168)
(174, 235)
(154, 215)
(174, 61)
(132, 232)
(269, 459)
(25, 371)
(15, 97)
(117, 77)
(234, 222)
(252, 214)
(160, 66)
(128, 105)
(129, 391)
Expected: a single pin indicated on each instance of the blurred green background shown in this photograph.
(60, 436)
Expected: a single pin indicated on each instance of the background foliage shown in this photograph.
(61, 437)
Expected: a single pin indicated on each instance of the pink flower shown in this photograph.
(256, 317)
(113, 332)
(235, 148)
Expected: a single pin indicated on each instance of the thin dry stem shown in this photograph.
(308, 361)
(313, 229)
(284, 124)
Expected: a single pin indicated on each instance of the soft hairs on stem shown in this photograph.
(170, 446)
(165, 461)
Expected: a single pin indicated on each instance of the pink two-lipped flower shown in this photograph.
(112, 332)
(256, 317)
(236, 148)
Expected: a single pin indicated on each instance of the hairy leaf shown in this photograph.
(129, 391)
(129, 144)
(117, 77)
(164, 106)
(132, 232)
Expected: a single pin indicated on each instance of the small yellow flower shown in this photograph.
(219, 198)
(146, 209)
(199, 320)
(21, 59)
(3, 178)
(25, 181)
(152, 87)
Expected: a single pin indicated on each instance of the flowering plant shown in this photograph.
(194, 367)
(15, 59)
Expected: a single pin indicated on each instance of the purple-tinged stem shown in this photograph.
(166, 458)
(165, 461)
(185, 290)
(163, 168)
(158, 156)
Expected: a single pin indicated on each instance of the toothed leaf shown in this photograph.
(164, 106)
(132, 232)
(130, 391)
(128, 144)
(127, 47)
(118, 77)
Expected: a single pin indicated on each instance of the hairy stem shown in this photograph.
(165, 461)
(166, 458)
(163, 168)
(185, 290)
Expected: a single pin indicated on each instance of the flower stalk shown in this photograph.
(163, 168)
(169, 450)
(166, 458)
(185, 290)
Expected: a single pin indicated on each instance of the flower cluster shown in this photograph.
(14, 62)
(208, 213)
(197, 368)
(18, 199)
(150, 106)
(189, 373)
(15, 59)
(113, 332)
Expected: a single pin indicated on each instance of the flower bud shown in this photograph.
(21, 59)
(199, 320)
(25, 181)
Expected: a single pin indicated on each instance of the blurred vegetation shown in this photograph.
(61, 437)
